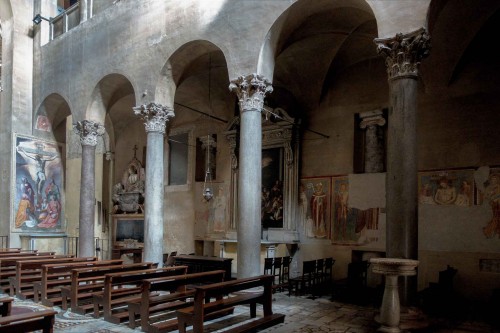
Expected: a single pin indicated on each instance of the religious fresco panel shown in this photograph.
(38, 198)
(446, 187)
(492, 196)
(211, 216)
(314, 207)
(351, 226)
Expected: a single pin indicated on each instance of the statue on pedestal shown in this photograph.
(128, 195)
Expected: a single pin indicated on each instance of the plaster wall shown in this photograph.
(88, 52)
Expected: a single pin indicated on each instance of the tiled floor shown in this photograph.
(303, 315)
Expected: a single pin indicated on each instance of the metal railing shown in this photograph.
(101, 247)
(65, 21)
(4, 242)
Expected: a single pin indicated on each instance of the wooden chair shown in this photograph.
(170, 260)
(268, 266)
(304, 282)
(277, 273)
(285, 270)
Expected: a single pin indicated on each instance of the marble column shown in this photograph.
(155, 118)
(403, 54)
(84, 12)
(251, 90)
(373, 121)
(88, 131)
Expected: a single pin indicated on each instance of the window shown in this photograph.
(178, 159)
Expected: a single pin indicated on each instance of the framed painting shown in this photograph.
(38, 199)
(314, 207)
(128, 227)
(272, 188)
(446, 187)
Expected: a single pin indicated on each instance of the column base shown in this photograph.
(411, 319)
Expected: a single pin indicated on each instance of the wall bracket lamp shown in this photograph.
(38, 19)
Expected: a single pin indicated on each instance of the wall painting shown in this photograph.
(38, 199)
(211, 216)
(446, 187)
(492, 195)
(351, 226)
(314, 207)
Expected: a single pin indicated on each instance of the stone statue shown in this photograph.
(128, 195)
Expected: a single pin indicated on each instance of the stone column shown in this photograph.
(155, 117)
(373, 121)
(403, 54)
(251, 90)
(88, 131)
(84, 12)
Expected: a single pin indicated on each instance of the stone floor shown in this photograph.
(303, 315)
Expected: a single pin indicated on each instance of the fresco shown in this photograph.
(38, 199)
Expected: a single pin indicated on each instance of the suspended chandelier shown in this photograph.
(207, 185)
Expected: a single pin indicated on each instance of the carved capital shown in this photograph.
(371, 118)
(155, 116)
(88, 131)
(404, 52)
(251, 90)
(233, 144)
(208, 142)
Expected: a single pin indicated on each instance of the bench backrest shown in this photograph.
(135, 277)
(25, 254)
(60, 269)
(12, 261)
(37, 264)
(227, 287)
(99, 272)
(179, 282)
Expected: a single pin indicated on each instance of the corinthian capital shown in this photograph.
(371, 118)
(404, 52)
(88, 131)
(155, 116)
(251, 90)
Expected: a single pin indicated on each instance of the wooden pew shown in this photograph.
(28, 322)
(30, 271)
(8, 267)
(86, 281)
(54, 276)
(10, 249)
(195, 315)
(26, 254)
(120, 288)
(180, 288)
(5, 306)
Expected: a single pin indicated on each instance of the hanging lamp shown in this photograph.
(207, 185)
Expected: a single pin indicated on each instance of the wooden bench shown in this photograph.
(10, 249)
(30, 271)
(28, 322)
(86, 281)
(54, 276)
(120, 288)
(196, 315)
(180, 288)
(5, 306)
(8, 267)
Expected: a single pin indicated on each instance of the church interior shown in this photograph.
(262, 135)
